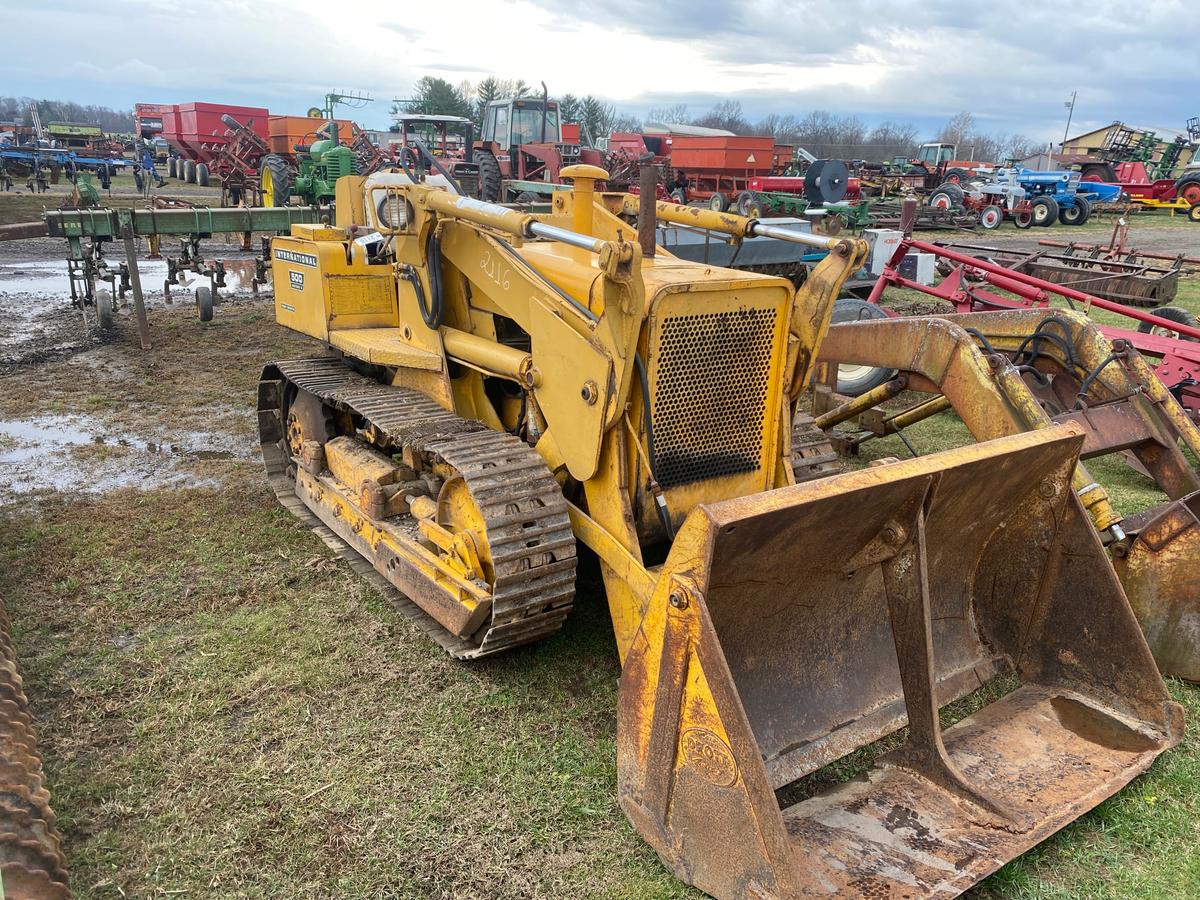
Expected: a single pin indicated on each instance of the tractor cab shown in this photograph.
(933, 155)
(446, 138)
(522, 141)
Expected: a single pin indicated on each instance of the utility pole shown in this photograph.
(1070, 105)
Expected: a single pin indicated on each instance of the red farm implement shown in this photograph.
(1173, 342)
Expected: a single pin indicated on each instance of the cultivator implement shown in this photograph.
(1021, 370)
(32, 866)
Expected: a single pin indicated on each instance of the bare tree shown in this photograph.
(727, 115)
(675, 115)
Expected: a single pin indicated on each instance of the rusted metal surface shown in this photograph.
(32, 865)
(1158, 568)
(20, 231)
(1130, 280)
(725, 696)
(1125, 409)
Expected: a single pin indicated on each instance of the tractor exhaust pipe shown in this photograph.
(648, 222)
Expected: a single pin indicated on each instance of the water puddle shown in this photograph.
(37, 293)
(82, 454)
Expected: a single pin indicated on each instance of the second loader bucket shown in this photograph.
(791, 628)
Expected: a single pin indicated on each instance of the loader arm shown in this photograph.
(1125, 409)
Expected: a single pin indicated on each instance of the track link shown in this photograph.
(813, 455)
(528, 530)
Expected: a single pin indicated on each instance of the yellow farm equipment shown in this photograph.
(504, 386)
(1021, 370)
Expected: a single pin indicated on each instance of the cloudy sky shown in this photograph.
(1011, 63)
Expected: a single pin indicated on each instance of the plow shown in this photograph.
(503, 389)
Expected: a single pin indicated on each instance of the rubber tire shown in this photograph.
(204, 303)
(743, 201)
(1076, 215)
(491, 180)
(1188, 187)
(1023, 220)
(1101, 172)
(993, 214)
(281, 179)
(718, 202)
(1194, 212)
(1171, 314)
(1045, 211)
(104, 309)
(171, 167)
(189, 171)
(953, 194)
(755, 209)
(202, 175)
(956, 176)
(855, 380)
(528, 197)
(679, 195)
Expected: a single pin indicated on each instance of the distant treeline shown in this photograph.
(822, 133)
(16, 109)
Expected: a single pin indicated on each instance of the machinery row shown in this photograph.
(508, 384)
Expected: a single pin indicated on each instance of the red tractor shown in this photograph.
(522, 148)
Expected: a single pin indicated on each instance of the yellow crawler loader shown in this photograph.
(502, 387)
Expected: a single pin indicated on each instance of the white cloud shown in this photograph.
(1011, 63)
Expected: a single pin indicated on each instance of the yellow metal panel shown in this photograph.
(384, 347)
(362, 301)
(296, 267)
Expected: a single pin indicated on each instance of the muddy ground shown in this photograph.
(225, 710)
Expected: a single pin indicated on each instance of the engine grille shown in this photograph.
(710, 395)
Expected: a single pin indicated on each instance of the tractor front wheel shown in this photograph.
(274, 180)
(991, 217)
(1171, 314)
(1189, 189)
(1077, 214)
(1045, 211)
(491, 180)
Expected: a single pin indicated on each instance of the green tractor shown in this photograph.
(313, 175)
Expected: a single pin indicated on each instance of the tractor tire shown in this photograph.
(171, 167)
(202, 175)
(1077, 214)
(755, 208)
(1101, 172)
(679, 195)
(947, 196)
(104, 309)
(274, 180)
(527, 197)
(956, 176)
(491, 180)
(1175, 314)
(743, 201)
(991, 217)
(718, 202)
(1045, 211)
(853, 380)
(1023, 219)
(1194, 212)
(1188, 187)
(204, 303)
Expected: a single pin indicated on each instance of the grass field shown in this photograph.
(226, 710)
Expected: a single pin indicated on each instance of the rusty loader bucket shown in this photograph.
(791, 628)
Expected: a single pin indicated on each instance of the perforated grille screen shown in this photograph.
(709, 401)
